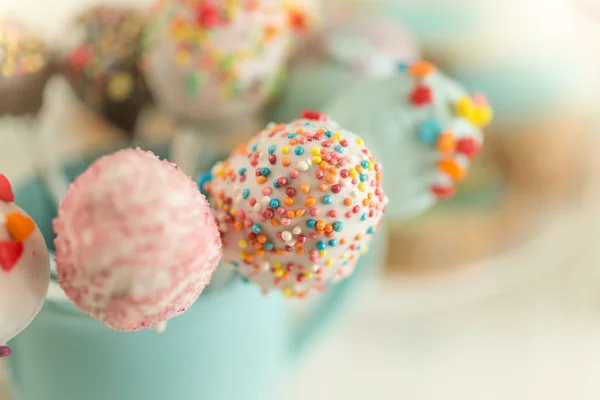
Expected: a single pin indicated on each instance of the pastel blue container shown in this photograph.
(234, 343)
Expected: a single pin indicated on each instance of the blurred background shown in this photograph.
(492, 295)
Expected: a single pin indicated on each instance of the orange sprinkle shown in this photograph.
(261, 179)
(447, 142)
(328, 228)
(365, 202)
(422, 69)
(256, 267)
(324, 165)
(238, 225)
(288, 201)
(293, 141)
(249, 258)
(320, 232)
(321, 131)
(333, 171)
(300, 212)
(290, 214)
(452, 168)
(358, 237)
(323, 187)
(320, 225)
(20, 226)
(358, 168)
(300, 251)
(260, 253)
(262, 238)
(286, 162)
(274, 222)
(285, 276)
(310, 202)
(305, 188)
(256, 245)
(280, 252)
(330, 179)
(348, 201)
(343, 240)
(370, 195)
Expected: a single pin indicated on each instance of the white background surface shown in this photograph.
(540, 340)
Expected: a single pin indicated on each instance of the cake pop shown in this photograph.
(24, 268)
(25, 68)
(297, 204)
(214, 64)
(136, 244)
(100, 62)
(349, 48)
(422, 125)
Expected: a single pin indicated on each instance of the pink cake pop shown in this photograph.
(297, 204)
(136, 244)
(24, 268)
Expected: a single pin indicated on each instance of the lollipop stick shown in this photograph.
(185, 147)
(46, 166)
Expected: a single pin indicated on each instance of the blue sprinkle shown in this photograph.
(244, 279)
(256, 228)
(272, 149)
(299, 150)
(329, 134)
(402, 67)
(364, 217)
(276, 184)
(362, 177)
(245, 193)
(242, 171)
(371, 230)
(338, 226)
(311, 223)
(254, 147)
(364, 164)
(321, 245)
(333, 242)
(328, 199)
(274, 203)
(291, 135)
(339, 148)
(264, 171)
(202, 180)
(429, 131)
(269, 246)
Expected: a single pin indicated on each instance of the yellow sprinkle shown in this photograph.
(278, 273)
(482, 116)
(120, 86)
(465, 107)
(362, 186)
(233, 212)
(308, 275)
(243, 243)
(360, 142)
(285, 149)
(317, 160)
(371, 166)
(329, 263)
(323, 253)
(287, 292)
(339, 136)
(316, 151)
(277, 265)
(343, 257)
(353, 173)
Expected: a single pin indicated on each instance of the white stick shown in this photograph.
(186, 147)
(47, 167)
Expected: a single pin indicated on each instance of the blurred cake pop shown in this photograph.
(100, 62)
(210, 61)
(136, 243)
(24, 268)
(349, 48)
(297, 204)
(25, 68)
(422, 125)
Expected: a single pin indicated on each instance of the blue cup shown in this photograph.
(234, 343)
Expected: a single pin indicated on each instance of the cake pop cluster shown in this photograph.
(209, 60)
(297, 204)
(455, 148)
(24, 268)
(136, 244)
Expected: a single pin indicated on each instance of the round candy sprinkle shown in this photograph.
(310, 233)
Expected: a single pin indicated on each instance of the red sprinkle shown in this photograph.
(291, 192)
(470, 147)
(314, 115)
(282, 181)
(6, 192)
(207, 14)
(336, 188)
(443, 192)
(421, 95)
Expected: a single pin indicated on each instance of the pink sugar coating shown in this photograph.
(136, 244)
